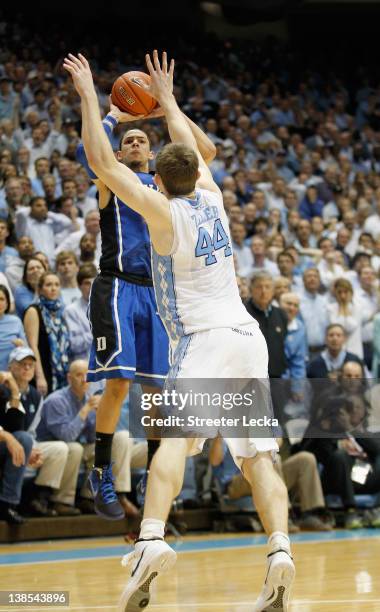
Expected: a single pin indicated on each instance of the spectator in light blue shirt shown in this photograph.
(313, 309)
(282, 169)
(284, 115)
(42, 225)
(296, 349)
(69, 413)
(16, 264)
(11, 329)
(242, 252)
(76, 314)
(42, 168)
(7, 98)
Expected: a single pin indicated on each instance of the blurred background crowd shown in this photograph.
(298, 163)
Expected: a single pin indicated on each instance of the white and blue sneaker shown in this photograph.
(276, 590)
(149, 559)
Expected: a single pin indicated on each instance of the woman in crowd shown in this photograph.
(43, 259)
(27, 293)
(11, 329)
(346, 313)
(48, 335)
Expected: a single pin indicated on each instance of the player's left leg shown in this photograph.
(101, 479)
(254, 456)
(113, 358)
(151, 554)
(153, 439)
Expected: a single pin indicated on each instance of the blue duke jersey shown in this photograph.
(195, 285)
(129, 339)
(125, 237)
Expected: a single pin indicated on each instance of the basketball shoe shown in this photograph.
(106, 502)
(276, 590)
(149, 559)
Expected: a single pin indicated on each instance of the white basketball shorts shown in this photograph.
(225, 353)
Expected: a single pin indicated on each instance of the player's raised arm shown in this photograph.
(179, 129)
(152, 205)
(110, 121)
(205, 145)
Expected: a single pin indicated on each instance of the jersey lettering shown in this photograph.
(206, 246)
(101, 343)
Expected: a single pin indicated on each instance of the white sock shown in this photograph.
(278, 540)
(152, 528)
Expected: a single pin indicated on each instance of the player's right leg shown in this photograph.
(152, 365)
(151, 555)
(112, 358)
(270, 497)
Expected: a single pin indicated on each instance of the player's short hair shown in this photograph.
(125, 134)
(177, 165)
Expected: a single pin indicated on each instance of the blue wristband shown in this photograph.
(110, 120)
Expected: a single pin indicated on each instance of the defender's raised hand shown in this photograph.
(80, 71)
(161, 86)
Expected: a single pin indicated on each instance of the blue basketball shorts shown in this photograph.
(129, 339)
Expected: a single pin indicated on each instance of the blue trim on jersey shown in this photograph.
(164, 286)
(179, 356)
(194, 202)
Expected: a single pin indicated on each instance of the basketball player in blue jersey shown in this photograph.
(130, 342)
(212, 332)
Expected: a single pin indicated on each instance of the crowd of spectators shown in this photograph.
(298, 163)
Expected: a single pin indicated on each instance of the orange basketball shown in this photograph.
(129, 95)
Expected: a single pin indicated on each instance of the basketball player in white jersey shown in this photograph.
(211, 331)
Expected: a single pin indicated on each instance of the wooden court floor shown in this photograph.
(213, 573)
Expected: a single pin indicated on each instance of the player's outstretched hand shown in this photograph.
(80, 71)
(161, 85)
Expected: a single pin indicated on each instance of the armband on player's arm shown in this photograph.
(109, 123)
